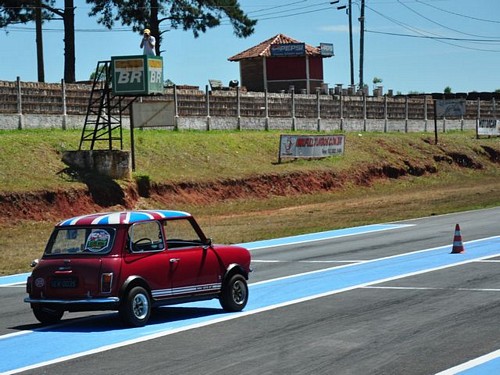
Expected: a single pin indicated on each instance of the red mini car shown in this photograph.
(131, 262)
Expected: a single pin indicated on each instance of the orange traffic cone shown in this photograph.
(458, 246)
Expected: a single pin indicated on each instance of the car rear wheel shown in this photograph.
(47, 315)
(234, 294)
(136, 308)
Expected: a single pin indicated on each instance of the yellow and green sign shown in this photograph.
(137, 75)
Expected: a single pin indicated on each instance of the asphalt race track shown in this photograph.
(378, 299)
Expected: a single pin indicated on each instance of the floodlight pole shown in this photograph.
(351, 53)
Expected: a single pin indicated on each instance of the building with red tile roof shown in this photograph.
(280, 62)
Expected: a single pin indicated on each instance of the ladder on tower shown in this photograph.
(103, 121)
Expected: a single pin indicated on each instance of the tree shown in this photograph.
(377, 80)
(194, 15)
(447, 90)
(101, 72)
(15, 11)
(24, 11)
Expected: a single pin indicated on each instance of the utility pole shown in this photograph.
(351, 54)
(361, 43)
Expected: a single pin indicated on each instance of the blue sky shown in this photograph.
(412, 45)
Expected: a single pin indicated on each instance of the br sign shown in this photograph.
(137, 75)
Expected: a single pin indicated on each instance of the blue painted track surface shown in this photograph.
(52, 344)
(491, 367)
(322, 235)
(13, 279)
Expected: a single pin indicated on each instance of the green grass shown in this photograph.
(30, 161)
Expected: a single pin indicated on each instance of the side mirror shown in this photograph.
(208, 243)
(34, 263)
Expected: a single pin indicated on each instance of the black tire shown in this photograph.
(234, 294)
(135, 309)
(47, 315)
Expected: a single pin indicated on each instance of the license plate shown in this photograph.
(63, 283)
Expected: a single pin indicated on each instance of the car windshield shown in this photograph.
(89, 241)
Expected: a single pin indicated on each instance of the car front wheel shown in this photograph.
(136, 308)
(46, 315)
(234, 294)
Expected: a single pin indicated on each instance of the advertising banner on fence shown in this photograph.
(450, 108)
(488, 127)
(311, 146)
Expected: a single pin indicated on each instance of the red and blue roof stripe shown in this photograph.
(123, 217)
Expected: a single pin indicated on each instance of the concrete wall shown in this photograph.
(204, 123)
(114, 164)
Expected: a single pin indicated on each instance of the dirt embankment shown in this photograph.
(100, 194)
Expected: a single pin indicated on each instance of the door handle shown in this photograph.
(174, 260)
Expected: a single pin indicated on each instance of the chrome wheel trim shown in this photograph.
(140, 306)
(239, 292)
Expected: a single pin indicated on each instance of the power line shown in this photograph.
(457, 14)
(432, 36)
(436, 38)
(437, 23)
(290, 12)
(60, 30)
(263, 14)
(275, 7)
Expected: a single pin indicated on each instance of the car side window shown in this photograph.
(180, 233)
(146, 236)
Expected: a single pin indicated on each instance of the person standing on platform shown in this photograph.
(148, 43)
